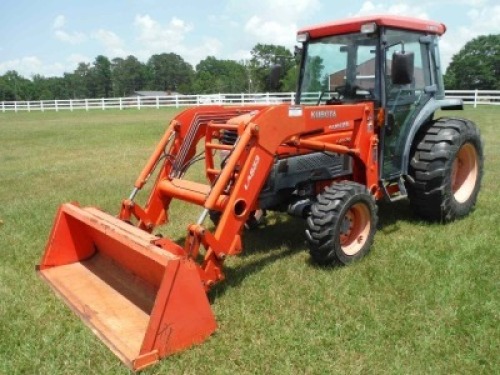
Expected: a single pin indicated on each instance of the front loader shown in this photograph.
(362, 129)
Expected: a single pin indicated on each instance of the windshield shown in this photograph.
(339, 68)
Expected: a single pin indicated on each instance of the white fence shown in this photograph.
(474, 97)
(139, 102)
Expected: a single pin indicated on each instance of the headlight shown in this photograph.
(368, 28)
(302, 37)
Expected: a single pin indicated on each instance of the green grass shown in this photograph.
(426, 299)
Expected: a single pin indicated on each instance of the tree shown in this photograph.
(169, 72)
(314, 80)
(49, 88)
(215, 76)
(128, 75)
(289, 82)
(476, 65)
(15, 87)
(100, 76)
(7, 89)
(71, 85)
(264, 56)
(81, 77)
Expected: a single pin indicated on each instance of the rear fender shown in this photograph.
(420, 120)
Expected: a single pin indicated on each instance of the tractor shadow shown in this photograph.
(285, 237)
(391, 214)
(280, 239)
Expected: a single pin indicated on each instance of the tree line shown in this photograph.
(475, 66)
(169, 72)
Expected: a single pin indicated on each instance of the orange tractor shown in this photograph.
(361, 129)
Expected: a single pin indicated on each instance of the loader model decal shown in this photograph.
(339, 126)
(253, 168)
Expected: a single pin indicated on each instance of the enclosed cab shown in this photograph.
(392, 61)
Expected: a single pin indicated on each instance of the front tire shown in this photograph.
(342, 224)
(446, 168)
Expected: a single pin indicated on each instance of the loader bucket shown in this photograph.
(142, 301)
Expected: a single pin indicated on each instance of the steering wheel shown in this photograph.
(343, 92)
(355, 92)
(347, 92)
(331, 100)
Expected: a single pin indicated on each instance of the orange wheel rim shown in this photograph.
(355, 228)
(464, 173)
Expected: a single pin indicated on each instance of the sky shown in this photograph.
(51, 37)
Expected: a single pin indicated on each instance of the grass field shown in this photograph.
(426, 299)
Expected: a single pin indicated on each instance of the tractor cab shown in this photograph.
(391, 61)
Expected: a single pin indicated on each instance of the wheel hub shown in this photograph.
(464, 173)
(355, 228)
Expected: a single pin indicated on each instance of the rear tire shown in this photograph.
(446, 167)
(342, 224)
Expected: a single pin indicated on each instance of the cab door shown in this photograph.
(403, 102)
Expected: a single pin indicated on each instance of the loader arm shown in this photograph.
(232, 190)
(177, 147)
(263, 136)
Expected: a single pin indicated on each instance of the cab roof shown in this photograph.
(351, 25)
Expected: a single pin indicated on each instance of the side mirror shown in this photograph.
(274, 77)
(402, 68)
(297, 52)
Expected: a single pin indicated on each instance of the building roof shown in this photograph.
(155, 93)
(351, 25)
